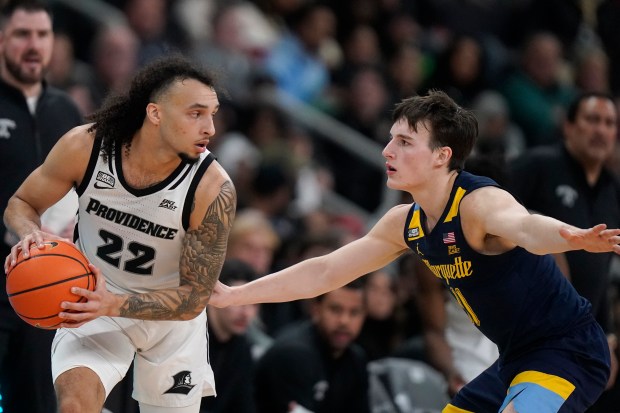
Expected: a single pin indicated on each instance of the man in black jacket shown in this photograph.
(571, 183)
(316, 366)
(33, 116)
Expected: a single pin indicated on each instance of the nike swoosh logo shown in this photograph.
(96, 185)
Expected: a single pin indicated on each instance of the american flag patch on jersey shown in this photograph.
(448, 238)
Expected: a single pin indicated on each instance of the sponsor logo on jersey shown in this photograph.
(168, 204)
(107, 180)
(95, 207)
(182, 383)
(413, 232)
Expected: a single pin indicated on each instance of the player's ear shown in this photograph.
(444, 154)
(152, 112)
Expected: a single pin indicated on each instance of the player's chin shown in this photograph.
(189, 157)
(393, 184)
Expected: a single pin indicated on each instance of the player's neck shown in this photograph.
(143, 167)
(434, 198)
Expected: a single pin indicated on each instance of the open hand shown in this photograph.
(595, 239)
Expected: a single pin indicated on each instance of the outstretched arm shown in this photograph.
(493, 213)
(315, 276)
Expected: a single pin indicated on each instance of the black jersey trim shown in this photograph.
(92, 163)
(189, 198)
(151, 189)
(182, 178)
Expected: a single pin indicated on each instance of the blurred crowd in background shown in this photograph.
(517, 64)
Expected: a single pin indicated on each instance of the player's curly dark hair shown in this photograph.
(122, 115)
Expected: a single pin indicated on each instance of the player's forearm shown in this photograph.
(183, 303)
(21, 218)
(198, 278)
(541, 235)
(304, 280)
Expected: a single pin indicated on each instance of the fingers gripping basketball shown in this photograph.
(37, 285)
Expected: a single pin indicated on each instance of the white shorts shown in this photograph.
(171, 366)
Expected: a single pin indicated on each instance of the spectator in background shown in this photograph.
(316, 365)
(570, 182)
(365, 110)
(498, 136)
(114, 60)
(460, 70)
(254, 241)
(360, 48)
(230, 350)
(278, 316)
(271, 192)
(406, 71)
(33, 116)
(608, 15)
(591, 71)
(240, 40)
(536, 93)
(157, 32)
(383, 331)
(295, 62)
(70, 74)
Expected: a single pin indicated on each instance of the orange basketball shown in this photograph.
(37, 285)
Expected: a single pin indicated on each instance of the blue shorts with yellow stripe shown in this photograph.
(560, 375)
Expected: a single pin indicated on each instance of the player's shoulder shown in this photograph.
(77, 140)
(393, 221)
(214, 177)
(214, 188)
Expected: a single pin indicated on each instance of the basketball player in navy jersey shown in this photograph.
(155, 211)
(489, 251)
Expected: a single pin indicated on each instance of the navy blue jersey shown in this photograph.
(517, 299)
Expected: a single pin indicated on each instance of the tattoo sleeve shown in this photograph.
(203, 254)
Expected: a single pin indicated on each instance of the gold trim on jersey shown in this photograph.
(453, 409)
(556, 384)
(415, 231)
(454, 208)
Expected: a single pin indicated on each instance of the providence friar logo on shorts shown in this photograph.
(182, 383)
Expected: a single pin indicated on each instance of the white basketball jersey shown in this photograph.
(135, 235)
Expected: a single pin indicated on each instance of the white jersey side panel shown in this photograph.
(134, 236)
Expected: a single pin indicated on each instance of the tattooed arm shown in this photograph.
(202, 256)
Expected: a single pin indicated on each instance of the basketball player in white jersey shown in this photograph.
(155, 211)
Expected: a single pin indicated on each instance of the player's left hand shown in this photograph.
(100, 302)
(595, 239)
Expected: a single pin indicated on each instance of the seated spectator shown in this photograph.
(295, 62)
(537, 94)
(230, 349)
(383, 330)
(316, 365)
